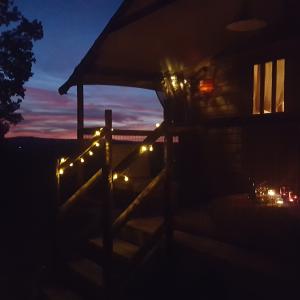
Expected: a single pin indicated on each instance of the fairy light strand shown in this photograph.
(96, 143)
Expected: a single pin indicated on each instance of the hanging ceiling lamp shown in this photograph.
(245, 21)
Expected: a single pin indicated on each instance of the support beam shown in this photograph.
(80, 112)
(107, 204)
(168, 159)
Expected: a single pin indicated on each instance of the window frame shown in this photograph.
(274, 81)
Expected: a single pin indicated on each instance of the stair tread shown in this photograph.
(148, 225)
(88, 269)
(120, 247)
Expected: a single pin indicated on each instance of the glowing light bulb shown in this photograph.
(62, 160)
(126, 179)
(143, 149)
(112, 129)
(157, 125)
(97, 144)
(271, 193)
(91, 153)
(115, 176)
(71, 165)
(97, 132)
(61, 171)
(151, 148)
(82, 160)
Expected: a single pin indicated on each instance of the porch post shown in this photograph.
(80, 112)
(107, 204)
(168, 145)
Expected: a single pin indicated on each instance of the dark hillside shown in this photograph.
(27, 194)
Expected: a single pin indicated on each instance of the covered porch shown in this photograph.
(199, 56)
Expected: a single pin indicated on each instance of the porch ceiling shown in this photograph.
(148, 37)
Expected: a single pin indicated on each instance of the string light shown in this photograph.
(157, 125)
(143, 149)
(97, 133)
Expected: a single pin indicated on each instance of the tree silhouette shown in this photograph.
(17, 35)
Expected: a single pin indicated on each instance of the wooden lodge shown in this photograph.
(226, 74)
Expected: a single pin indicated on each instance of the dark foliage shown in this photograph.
(17, 35)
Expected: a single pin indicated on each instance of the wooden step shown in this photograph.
(88, 270)
(138, 231)
(121, 248)
(148, 225)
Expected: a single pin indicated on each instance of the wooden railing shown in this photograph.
(105, 174)
(134, 154)
(80, 192)
(121, 167)
(137, 202)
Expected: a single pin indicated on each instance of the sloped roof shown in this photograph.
(147, 37)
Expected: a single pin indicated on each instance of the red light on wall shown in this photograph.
(206, 86)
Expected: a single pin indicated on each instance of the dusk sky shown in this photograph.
(70, 28)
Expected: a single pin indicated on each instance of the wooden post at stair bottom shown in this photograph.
(80, 113)
(168, 145)
(107, 204)
(56, 204)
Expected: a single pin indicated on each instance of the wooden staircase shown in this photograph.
(105, 259)
(138, 238)
(136, 243)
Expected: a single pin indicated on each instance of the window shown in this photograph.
(268, 87)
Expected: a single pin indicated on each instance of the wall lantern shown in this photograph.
(206, 86)
(175, 85)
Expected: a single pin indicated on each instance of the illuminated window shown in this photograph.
(280, 85)
(268, 87)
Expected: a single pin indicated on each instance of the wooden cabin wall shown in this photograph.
(221, 159)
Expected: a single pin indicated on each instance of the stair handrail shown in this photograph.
(69, 161)
(124, 217)
(130, 158)
(133, 155)
(96, 139)
(79, 193)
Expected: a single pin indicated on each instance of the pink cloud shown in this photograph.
(47, 114)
